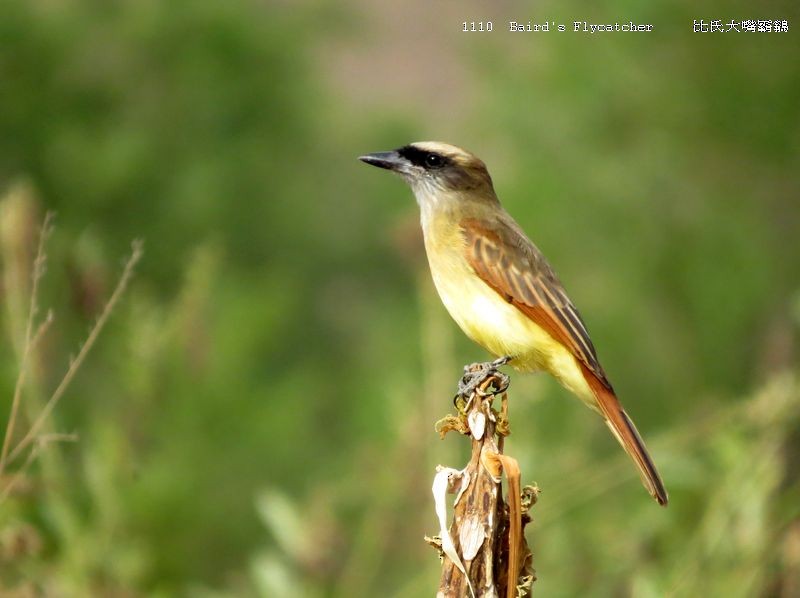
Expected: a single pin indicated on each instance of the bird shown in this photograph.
(499, 288)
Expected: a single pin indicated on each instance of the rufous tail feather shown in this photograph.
(625, 432)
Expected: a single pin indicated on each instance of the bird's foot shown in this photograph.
(476, 374)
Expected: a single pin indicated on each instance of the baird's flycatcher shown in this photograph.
(499, 288)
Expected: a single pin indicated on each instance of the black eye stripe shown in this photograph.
(420, 157)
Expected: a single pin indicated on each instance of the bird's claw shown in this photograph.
(476, 374)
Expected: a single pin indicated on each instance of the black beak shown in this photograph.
(388, 160)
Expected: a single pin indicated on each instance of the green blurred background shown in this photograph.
(257, 417)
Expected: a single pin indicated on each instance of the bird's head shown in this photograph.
(432, 167)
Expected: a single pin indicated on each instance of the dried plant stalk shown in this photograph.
(34, 439)
(487, 532)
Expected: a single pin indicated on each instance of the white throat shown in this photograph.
(432, 199)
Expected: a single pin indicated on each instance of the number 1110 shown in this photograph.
(476, 26)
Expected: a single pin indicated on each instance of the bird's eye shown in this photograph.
(433, 161)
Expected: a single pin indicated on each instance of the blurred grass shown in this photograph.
(257, 419)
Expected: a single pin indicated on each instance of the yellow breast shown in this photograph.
(492, 322)
(484, 316)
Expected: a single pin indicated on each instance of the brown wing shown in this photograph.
(511, 264)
